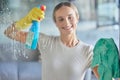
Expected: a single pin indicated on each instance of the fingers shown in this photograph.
(10, 29)
(36, 14)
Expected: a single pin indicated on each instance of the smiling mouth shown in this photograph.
(67, 28)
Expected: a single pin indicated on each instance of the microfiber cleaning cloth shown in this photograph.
(106, 57)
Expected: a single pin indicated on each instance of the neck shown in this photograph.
(69, 40)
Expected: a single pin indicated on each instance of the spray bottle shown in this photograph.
(33, 34)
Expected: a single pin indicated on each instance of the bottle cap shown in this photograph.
(43, 7)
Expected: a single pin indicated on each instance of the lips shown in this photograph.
(67, 28)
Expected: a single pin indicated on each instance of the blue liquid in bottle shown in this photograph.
(33, 35)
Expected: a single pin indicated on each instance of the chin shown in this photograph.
(69, 32)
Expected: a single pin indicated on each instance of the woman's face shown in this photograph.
(66, 20)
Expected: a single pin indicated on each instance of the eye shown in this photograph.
(60, 19)
(70, 17)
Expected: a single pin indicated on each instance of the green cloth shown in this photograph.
(106, 57)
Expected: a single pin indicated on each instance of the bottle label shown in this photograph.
(29, 39)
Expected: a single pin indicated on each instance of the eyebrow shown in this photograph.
(62, 17)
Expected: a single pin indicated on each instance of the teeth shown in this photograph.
(67, 28)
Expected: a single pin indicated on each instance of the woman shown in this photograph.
(63, 57)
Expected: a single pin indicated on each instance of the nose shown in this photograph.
(67, 22)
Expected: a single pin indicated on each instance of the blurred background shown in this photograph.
(98, 19)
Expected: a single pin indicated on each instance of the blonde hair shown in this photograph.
(68, 4)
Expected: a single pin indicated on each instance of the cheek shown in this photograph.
(58, 25)
(75, 20)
